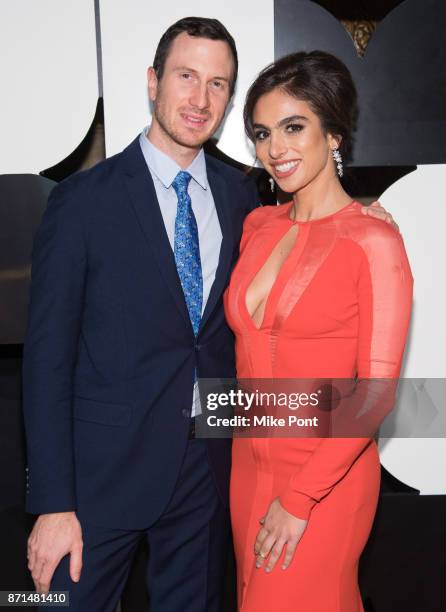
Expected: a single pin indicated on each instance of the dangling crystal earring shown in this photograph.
(338, 160)
(271, 182)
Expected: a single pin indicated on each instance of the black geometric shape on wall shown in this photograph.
(390, 484)
(359, 9)
(372, 181)
(401, 79)
(23, 199)
(402, 566)
(76, 160)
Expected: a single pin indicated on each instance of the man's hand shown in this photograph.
(54, 536)
(279, 529)
(376, 210)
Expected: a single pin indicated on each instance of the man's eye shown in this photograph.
(185, 75)
(294, 127)
(261, 135)
(218, 84)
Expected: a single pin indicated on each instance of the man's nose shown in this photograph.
(200, 96)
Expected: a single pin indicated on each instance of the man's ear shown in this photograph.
(152, 82)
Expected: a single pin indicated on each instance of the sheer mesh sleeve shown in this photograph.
(384, 302)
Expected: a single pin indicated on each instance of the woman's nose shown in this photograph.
(277, 146)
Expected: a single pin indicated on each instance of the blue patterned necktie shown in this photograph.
(187, 250)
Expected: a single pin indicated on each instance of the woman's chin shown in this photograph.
(289, 185)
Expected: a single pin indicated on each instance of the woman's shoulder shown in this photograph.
(260, 219)
(262, 214)
(370, 233)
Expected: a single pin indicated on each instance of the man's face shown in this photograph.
(191, 97)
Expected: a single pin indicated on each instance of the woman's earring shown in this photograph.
(271, 182)
(338, 160)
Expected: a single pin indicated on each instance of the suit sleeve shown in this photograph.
(384, 302)
(57, 291)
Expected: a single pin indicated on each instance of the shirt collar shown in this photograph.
(166, 169)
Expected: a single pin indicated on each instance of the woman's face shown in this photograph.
(290, 142)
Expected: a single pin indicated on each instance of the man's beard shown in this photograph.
(173, 134)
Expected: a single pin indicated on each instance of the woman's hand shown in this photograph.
(279, 529)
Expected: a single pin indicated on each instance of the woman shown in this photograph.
(320, 290)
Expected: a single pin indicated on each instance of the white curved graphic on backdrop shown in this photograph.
(130, 34)
(417, 202)
(49, 78)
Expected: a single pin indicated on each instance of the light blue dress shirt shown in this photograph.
(163, 170)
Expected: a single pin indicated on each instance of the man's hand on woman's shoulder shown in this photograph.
(379, 212)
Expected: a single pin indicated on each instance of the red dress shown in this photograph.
(339, 307)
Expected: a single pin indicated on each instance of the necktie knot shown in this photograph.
(181, 182)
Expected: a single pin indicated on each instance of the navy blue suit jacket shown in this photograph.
(110, 353)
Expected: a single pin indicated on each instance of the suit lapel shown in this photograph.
(143, 198)
(220, 194)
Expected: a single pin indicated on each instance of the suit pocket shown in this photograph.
(117, 415)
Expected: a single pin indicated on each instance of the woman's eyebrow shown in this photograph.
(292, 118)
(282, 121)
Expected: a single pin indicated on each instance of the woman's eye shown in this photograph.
(294, 127)
(260, 135)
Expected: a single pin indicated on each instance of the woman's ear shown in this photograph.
(334, 142)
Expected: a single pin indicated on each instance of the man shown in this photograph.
(129, 268)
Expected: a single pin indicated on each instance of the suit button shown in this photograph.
(185, 413)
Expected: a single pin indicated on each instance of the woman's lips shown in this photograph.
(285, 169)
